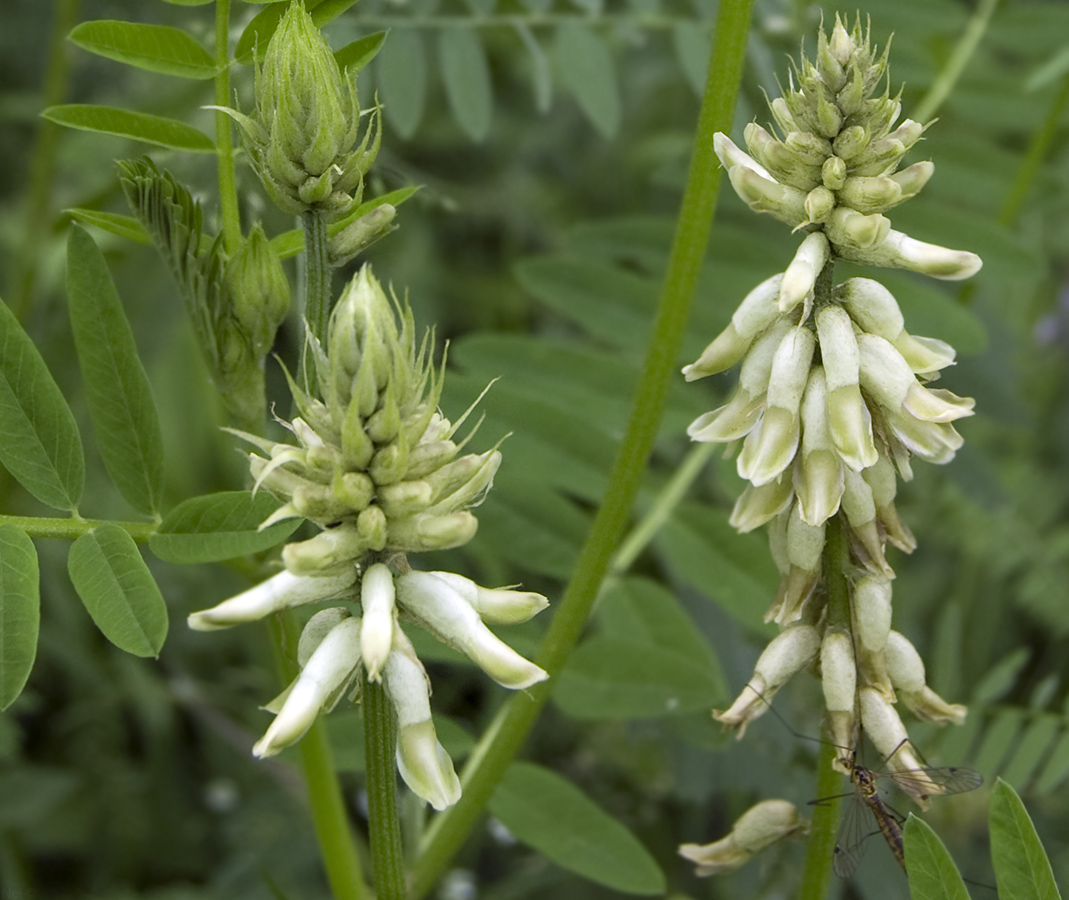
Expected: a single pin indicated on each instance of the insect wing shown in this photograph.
(950, 780)
(853, 832)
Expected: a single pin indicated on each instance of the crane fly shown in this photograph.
(853, 832)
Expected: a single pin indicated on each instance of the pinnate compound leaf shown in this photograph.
(586, 69)
(118, 590)
(1022, 869)
(932, 873)
(353, 57)
(124, 414)
(403, 74)
(20, 611)
(466, 75)
(39, 441)
(137, 126)
(219, 526)
(158, 48)
(113, 223)
(561, 822)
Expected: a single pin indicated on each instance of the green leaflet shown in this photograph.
(124, 414)
(1022, 870)
(732, 569)
(403, 75)
(647, 660)
(466, 76)
(118, 590)
(561, 822)
(39, 442)
(114, 223)
(932, 873)
(157, 48)
(20, 611)
(353, 57)
(692, 45)
(541, 76)
(586, 69)
(134, 125)
(219, 526)
(612, 305)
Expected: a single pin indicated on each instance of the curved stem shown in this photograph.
(955, 65)
(224, 144)
(337, 847)
(499, 745)
(387, 856)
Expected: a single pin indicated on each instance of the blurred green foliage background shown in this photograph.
(536, 246)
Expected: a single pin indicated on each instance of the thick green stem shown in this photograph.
(224, 142)
(825, 825)
(380, 738)
(337, 847)
(816, 877)
(499, 745)
(72, 529)
(317, 273)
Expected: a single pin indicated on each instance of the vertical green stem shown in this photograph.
(955, 65)
(336, 845)
(816, 877)
(1037, 152)
(317, 273)
(224, 143)
(387, 855)
(825, 825)
(499, 745)
(37, 211)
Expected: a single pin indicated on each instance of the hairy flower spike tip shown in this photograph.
(375, 466)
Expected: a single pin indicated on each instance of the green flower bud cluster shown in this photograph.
(302, 139)
(835, 167)
(259, 290)
(834, 395)
(374, 463)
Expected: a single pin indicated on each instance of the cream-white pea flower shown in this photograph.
(835, 396)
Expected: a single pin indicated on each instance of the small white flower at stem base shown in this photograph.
(787, 653)
(435, 605)
(757, 828)
(279, 592)
(329, 669)
(423, 763)
(753, 317)
(377, 599)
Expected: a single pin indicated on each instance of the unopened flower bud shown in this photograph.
(801, 274)
(360, 234)
(788, 652)
(377, 601)
(872, 612)
(259, 290)
(757, 828)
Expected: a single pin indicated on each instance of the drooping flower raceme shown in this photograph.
(374, 465)
(834, 395)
